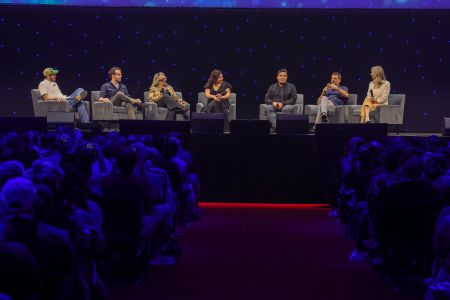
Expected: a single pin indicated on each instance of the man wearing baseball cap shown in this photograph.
(49, 90)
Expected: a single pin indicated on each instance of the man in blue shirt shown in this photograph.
(117, 93)
(333, 94)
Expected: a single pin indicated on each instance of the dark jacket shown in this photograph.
(286, 94)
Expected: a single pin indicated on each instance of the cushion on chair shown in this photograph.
(356, 111)
(119, 109)
(311, 110)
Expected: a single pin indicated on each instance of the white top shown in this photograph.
(381, 94)
(50, 88)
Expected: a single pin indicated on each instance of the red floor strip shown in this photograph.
(261, 205)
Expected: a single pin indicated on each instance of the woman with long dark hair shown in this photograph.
(218, 93)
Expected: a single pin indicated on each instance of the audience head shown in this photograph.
(126, 160)
(10, 169)
(18, 195)
(412, 169)
(434, 165)
(46, 173)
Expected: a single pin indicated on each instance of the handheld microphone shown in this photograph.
(371, 93)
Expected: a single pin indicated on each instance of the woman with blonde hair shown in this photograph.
(165, 96)
(377, 94)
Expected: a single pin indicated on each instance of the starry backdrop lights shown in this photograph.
(249, 46)
(248, 3)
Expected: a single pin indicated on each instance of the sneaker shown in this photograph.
(82, 96)
(358, 256)
(183, 108)
(324, 118)
(162, 260)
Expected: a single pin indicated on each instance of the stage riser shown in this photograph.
(271, 168)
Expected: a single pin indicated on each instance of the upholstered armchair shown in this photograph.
(298, 107)
(41, 106)
(154, 112)
(391, 114)
(102, 111)
(202, 101)
(338, 115)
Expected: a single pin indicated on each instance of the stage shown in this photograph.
(271, 168)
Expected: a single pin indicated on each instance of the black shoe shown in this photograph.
(273, 130)
(324, 118)
(183, 108)
(312, 131)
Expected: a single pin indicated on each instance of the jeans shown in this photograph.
(271, 113)
(78, 105)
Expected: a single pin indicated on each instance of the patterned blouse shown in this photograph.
(157, 93)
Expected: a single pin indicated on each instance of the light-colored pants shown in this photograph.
(78, 105)
(324, 106)
(271, 113)
(120, 98)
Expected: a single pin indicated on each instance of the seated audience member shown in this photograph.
(377, 94)
(280, 97)
(165, 96)
(51, 247)
(19, 271)
(49, 90)
(333, 94)
(117, 93)
(53, 210)
(133, 194)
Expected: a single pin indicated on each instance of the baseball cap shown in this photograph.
(50, 71)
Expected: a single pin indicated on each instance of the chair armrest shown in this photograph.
(232, 112)
(199, 107)
(262, 112)
(390, 114)
(310, 108)
(102, 111)
(298, 109)
(341, 113)
(152, 111)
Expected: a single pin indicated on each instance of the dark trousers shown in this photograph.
(172, 106)
(219, 107)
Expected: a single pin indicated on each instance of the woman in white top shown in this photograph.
(378, 93)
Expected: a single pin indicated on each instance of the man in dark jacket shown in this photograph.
(280, 97)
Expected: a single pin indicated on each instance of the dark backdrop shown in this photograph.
(247, 45)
